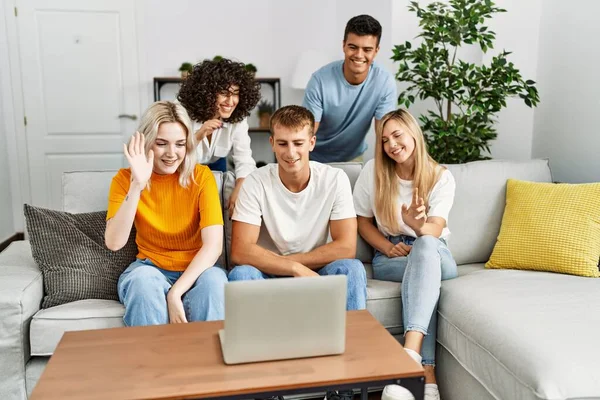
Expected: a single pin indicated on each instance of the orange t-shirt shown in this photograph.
(169, 218)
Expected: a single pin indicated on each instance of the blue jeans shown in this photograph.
(421, 272)
(352, 268)
(143, 291)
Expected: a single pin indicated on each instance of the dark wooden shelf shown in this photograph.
(256, 129)
(275, 83)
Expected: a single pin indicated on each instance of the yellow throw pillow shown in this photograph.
(550, 227)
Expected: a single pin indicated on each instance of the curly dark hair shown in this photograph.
(198, 92)
(363, 25)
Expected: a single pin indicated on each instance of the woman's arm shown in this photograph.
(375, 238)
(207, 256)
(212, 245)
(118, 228)
(372, 235)
(415, 216)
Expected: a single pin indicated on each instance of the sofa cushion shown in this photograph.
(385, 304)
(70, 251)
(560, 234)
(524, 334)
(87, 191)
(475, 218)
(48, 326)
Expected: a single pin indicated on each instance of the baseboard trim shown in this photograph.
(13, 238)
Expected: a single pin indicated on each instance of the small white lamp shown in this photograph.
(308, 62)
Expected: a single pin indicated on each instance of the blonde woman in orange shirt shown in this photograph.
(174, 204)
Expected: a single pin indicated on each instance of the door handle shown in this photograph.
(130, 116)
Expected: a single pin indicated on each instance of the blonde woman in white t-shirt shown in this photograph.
(410, 196)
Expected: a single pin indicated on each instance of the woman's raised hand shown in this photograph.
(141, 166)
(415, 215)
(207, 128)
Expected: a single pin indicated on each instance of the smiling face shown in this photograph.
(227, 101)
(398, 143)
(359, 53)
(169, 148)
(292, 147)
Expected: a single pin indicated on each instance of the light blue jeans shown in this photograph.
(352, 268)
(421, 272)
(143, 291)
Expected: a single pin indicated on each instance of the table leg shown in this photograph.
(364, 393)
(415, 385)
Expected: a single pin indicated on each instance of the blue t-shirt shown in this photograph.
(345, 111)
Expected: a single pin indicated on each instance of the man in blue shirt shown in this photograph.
(344, 96)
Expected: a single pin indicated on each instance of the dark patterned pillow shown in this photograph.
(70, 251)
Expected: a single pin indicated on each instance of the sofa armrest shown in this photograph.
(21, 292)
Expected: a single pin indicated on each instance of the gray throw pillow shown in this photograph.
(70, 251)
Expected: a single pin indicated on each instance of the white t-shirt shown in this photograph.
(229, 136)
(296, 222)
(440, 199)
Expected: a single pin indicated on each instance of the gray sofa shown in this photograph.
(502, 334)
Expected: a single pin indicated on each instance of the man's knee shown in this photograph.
(351, 267)
(245, 273)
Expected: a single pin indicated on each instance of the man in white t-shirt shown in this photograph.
(300, 203)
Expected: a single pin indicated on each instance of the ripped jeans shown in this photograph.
(421, 272)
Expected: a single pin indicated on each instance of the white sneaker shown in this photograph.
(432, 392)
(396, 392)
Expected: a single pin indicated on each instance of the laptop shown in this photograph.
(283, 318)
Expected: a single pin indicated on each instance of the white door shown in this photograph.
(80, 86)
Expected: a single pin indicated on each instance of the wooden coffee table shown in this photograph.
(185, 362)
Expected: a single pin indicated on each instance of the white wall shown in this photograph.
(9, 214)
(261, 32)
(7, 227)
(517, 30)
(568, 119)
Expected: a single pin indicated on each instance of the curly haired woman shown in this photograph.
(220, 95)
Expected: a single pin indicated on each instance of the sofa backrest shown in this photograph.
(479, 202)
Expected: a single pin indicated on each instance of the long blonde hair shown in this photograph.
(387, 187)
(167, 111)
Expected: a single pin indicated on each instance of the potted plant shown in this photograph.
(185, 69)
(265, 109)
(467, 96)
(251, 68)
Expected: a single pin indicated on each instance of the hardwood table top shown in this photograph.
(184, 361)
